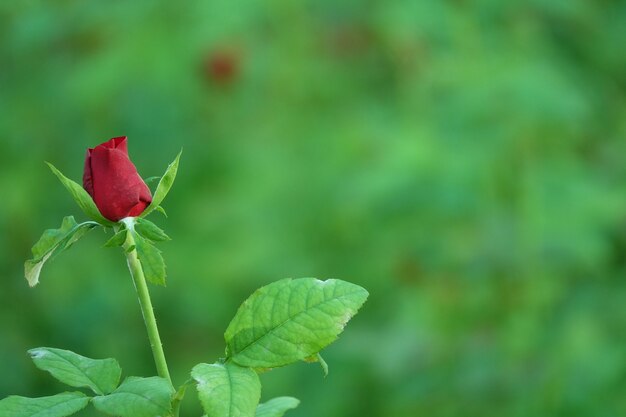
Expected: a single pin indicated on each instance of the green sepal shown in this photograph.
(60, 405)
(227, 390)
(291, 320)
(164, 186)
(151, 260)
(82, 198)
(150, 231)
(118, 239)
(161, 210)
(101, 375)
(277, 407)
(138, 397)
(53, 242)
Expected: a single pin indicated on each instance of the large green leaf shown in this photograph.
(227, 390)
(53, 242)
(276, 407)
(151, 260)
(138, 397)
(101, 375)
(82, 197)
(164, 186)
(60, 405)
(291, 320)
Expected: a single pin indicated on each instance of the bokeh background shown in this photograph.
(463, 160)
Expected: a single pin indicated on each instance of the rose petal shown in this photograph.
(87, 175)
(112, 180)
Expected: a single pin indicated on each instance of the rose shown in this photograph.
(111, 179)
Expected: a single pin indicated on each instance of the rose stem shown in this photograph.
(136, 272)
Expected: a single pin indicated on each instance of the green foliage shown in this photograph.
(165, 183)
(82, 198)
(53, 242)
(151, 260)
(276, 407)
(117, 239)
(60, 405)
(137, 397)
(227, 390)
(290, 320)
(150, 230)
(281, 323)
(101, 375)
(462, 160)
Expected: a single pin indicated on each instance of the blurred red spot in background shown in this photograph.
(221, 66)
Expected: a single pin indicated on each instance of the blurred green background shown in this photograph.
(463, 160)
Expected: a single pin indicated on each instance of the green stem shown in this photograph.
(136, 271)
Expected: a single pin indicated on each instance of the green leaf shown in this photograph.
(138, 397)
(82, 198)
(101, 375)
(164, 186)
(118, 239)
(151, 260)
(277, 407)
(227, 390)
(291, 320)
(53, 242)
(150, 230)
(60, 405)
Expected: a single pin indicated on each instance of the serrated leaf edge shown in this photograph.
(347, 317)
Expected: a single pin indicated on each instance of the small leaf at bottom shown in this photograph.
(60, 405)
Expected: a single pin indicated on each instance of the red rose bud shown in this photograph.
(112, 181)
